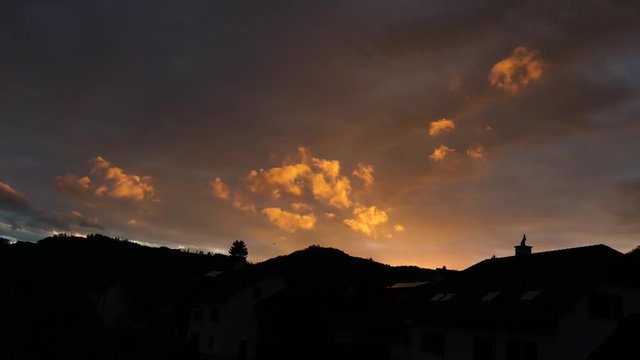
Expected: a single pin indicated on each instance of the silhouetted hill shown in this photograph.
(59, 294)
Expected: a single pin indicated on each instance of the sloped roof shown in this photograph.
(525, 292)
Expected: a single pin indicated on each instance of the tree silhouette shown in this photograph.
(239, 250)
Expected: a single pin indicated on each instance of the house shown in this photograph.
(317, 303)
(223, 323)
(559, 304)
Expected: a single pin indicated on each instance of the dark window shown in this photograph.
(197, 313)
(194, 339)
(242, 349)
(484, 348)
(256, 293)
(432, 342)
(522, 350)
(215, 315)
(605, 306)
(210, 343)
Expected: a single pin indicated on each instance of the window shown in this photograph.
(484, 348)
(194, 339)
(197, 313)
(442, 297)
(605, 306)
(432, 342)
(490, 296)
(518, 349)
(242, 349)
(210, 343)
(447, 297)
(530, 295)
(256, 293)
(215, 315)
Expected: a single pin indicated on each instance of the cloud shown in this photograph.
(286, 178)
(22, 215)
(398, 228)
(441, 153)
(476, 152)
(107, 181)
(289, 221)
(120, 185)
(298, 206)
(366, 219)
(441, 126)
(364, 173)
(220, 189)
(333, 191)
(240, 205)
(305, 183)
(11, 199)
(320, 177)
(522, 67)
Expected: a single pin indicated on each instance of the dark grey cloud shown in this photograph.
(20, 214)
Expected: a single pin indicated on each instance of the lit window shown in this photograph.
(530, 295)
(490, 296)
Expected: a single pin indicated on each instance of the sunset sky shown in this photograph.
(408, 131)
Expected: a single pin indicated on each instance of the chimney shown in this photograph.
(523, 249)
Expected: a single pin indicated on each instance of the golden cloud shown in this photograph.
(304, 183)
(364, 173)
(441, 153)
(366, 219)
(107, 180)
(289, 221)
(333, 191)
(441, 126)
(287, 178)
(476, 153)
(522, 67)
(298, 206)
(398, 228)
(220, 189)
(120, 185)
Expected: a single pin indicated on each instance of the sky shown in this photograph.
(432, 133)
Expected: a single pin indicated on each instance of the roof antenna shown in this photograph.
(524, 239)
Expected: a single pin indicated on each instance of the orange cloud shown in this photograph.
(304, 183)
(522, 67)
(366, 219)
(220, 189)
(298, 206)
(287, 178)
(289, 221)
(72, 184)
(107, 180)
(476, 153)
(364, 173)
(441, 153)
(120, 185)
(398, 228)
(441, 126)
